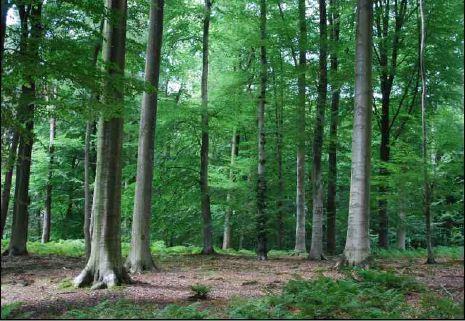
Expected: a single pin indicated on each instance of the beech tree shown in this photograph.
(104, 267)
(300, 234)
(262, 249)
(31, 31)
(48, 193)
(140, 258)
(316, 249)
(357, 248)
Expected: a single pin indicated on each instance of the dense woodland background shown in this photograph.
(68, 84)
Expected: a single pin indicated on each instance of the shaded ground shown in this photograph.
(42, 283)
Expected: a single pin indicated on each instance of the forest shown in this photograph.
(243, 159)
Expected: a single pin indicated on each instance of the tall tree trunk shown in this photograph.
(48, 191)
(8, 178)
(262, 250)
(204, 190)
(140, 258)
(89, 158)
(17, 245)
(4, 12)
(357, 248)
(279, 159)
(401, 231)
(300, 194)
(316, 249)
(332, 150)
(426, 181)
(105, 265)
(229, 211)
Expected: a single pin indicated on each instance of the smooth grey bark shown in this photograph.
(300, 235)
(426, 181)
(333, 141)
(316, 248)
(30, 49)
(204, 189)
(401, 231)
(357, 247)
(46, 225)
(139, 258)
(10, 165)
(229, 211)
(89, 158)
(262, 250)
(104, 267)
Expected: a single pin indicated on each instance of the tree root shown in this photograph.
(140, 267)
(107, 279)
(343, 262)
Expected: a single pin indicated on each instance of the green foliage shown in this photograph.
(120, 309)
(7, 309)
(433, 307)
(174, 311)
(449, 252)
(375, 295)
(200, 291)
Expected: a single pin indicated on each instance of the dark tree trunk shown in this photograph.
(357, 248)
(8, 178)
(204, 190)
(48, 190)
(5, 7)
(316, 249)
(332, 150)
(139, 258)
(300, 235)
(262, 250)
(426, 180)
(19, 228)
(105, 265)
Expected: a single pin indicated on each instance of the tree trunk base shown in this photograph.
(15, 252)
(343, 262)
(430, 260)
(208, 251)
(146, 264)
(262, 257)
(316, 256)
(100, 279)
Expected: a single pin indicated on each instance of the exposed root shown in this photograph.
(139, 266)
(262, 257)
(343, 262)
(106, 280)
(14, 252)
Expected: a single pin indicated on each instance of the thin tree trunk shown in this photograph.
(140, 258)
(401, 231)
(8, 178)
(262, 250)
(279, 159)
(204, 190)
(332, 150)
(357, 248)
(426, 181)
(5, 7)
(316, 249)
(229, 211)
(48, 192)
(300, 237)
(105, 265)
(19, 228)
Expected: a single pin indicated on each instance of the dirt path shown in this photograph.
(42, 283)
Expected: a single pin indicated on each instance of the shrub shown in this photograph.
(200, 291)
(7, 309)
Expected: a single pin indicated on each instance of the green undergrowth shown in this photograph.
(449, 252)
(363, 295)
(126, 309)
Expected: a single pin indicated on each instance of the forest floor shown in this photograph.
(43, 283)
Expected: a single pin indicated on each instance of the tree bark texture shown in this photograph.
(10, 165)
(229, 211)
(316, 248)
(262, 250)
(331, 207)
(357, 248)
(46, 225)
(140, 258)
(300, 235)
(104, 267)
(426, 181)
(28, 48)
(204, 189)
